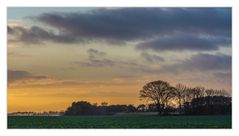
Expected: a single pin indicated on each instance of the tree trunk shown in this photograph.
(159, 109)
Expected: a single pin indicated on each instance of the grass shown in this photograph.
(219, 121)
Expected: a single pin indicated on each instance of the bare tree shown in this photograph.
(213, 92)
(222, 93)
(188, 95)
(181, 94)
(198, 92)
(210, 92)
(159, 92)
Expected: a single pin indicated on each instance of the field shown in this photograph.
(152, 121)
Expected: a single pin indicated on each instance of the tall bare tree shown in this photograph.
(188, 94)
(181, 94)
(159, 92)
(198, 92)
(210, 92)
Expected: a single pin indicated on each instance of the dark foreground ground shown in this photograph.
(219, 121)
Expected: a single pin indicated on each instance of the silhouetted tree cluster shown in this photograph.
(80, 108)
(85, 108)
(197, 100)
(209, 105)
(164, 99)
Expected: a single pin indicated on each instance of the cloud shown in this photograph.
(98, 63)
(93, 53)
(152, 58)
(37, 35)
(10, 30)
(96, 59)
(16, 75)
(62, 83)
(201, 62)
(18, 54)
(182, 41)
(130, 24)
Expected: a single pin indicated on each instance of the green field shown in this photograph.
(120, 122)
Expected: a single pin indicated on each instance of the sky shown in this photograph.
(60, 55)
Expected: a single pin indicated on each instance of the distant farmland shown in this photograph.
(150, 121)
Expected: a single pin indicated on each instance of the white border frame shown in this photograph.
(117, 3)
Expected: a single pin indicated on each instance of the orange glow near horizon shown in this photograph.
(58, 99)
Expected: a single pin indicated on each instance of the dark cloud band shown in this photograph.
(182, 41)
(15, 75)
(136, 24)
(201, 62)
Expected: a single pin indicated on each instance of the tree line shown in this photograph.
(164, 99)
